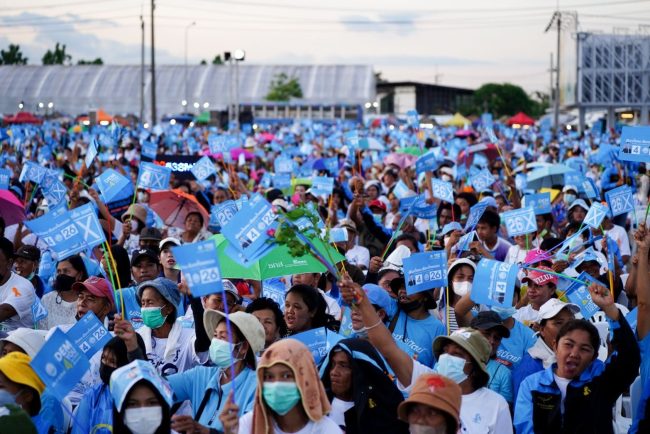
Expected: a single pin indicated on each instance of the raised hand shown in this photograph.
(604, 299)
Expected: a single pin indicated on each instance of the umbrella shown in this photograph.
(236, 152)
(278, 262)
(11, 209)
(457, 121)
(22, 118)
(489, 149)
(400, 160)
(375, 144)
(174, 205)
(411, 150)
(463, 134)
(520, 118)
(547, 176)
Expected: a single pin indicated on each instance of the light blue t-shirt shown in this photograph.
(418, 335)
(640, 414)
(512, 349)
(500, 380)
(195, 383)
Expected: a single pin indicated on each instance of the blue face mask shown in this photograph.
(504, 312)
(281, 396)
(452, 367)
(6, 398)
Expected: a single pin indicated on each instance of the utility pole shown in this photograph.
(551, 88)
(187, 28)
(142, 69)
(153, 68)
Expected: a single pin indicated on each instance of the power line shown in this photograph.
(56, 5)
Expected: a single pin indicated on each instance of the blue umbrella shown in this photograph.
(547, 176)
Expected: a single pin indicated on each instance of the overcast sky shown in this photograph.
(461, 43)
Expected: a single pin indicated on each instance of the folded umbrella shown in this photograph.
(11, 208)
(174, 205)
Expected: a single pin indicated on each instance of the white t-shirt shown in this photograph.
(18, 293)
(483, 411)
(337, 413)
(59, 311)
(526, 315)
(618, 234)
(175, 353)
(323, 426)
(562, 384)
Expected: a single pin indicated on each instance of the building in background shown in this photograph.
(428, 99)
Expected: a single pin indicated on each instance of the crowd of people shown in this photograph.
(425, 361)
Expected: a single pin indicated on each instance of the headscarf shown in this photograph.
(299, 359)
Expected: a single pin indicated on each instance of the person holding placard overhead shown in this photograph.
(461, 357)
(576, 393)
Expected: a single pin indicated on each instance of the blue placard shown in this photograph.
(91, 153)
(274, 289)
(149, 150)
(351, 139)
(482, 181)
(111, 183)
(425, 271)
(282, 181)
(53, 189)
(331, 165)
(620, 200)
(520, 221)
(590, 188)
(223, 212)
(635, 144)
(475, 214)
(322, 185)
(338, 235)
(248, 231)
(89, 334)
(578, 294)
(203, 168)
(60, 364)
(521, 181)
(32, 172)
(85, 218)
(200, 267)
(595, 215)
(426, 163)
(413, 119)
(319, 341)
(574, 178)
(59, 232)
(153, 177)
(283, 165)
(442, 190)
(540, 203)
(401, 190)
(487, 120)
(217, 144)
(497, 283)
(5, 178)
(39, 312)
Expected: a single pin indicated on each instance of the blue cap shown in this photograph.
(165, 287)
(124, 378)
(379, 297)
(453, 226)
(587, 256)
(490, 201)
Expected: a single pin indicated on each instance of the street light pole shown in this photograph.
(153, 67)
(142, 69)
(187, 29)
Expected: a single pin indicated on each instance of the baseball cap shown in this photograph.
(490, 201)
(379, 297)
(165, 287)
(553, 306)
(487, 320)
(230, 288)
(436, 391)
(540, 277)
(462, 261)
(248, 325)
(97, 286)
(579, 202)
(377, 204)
(30, 341)
(169, 240)
(15, 366)
(143, 253)
(536, 256)
(31, 253)
(569, 188)
(471, 341)
(150, 234)
(348, 224)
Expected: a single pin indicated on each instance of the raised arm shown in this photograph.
(642, 237)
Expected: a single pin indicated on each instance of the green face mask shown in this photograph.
(152, 317)
(281, 396)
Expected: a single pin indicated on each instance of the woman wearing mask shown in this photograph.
(208, 387)
(95, 411)
(170, 347)
(290, 397)
(61, 304)
(577, 392)
(305, 309)
(460, 277)
(462, 357)
(142, 400)
(20, 385)
(362, 395)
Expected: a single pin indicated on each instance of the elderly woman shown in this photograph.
(290, 397)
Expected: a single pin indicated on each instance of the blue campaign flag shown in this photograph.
(32, 172)
(465, 241)
(217, 144)
(574, 178)
(482, 181)
(60, 364)
(442, 190)
(5, 177)
(282, 181)
(595, 215)
(620, 200)
(88, 226)
(635, 144)
(91, 153)
(223, 212)
(89, 334)
(53, 189)
(322, 185)
(351, 139)
(540, 203)
(426, 163)
(486, 120)
(39, 312)
(413, 119)
(200, 267)
(521, 181)
(423, 210)
(590, 188)
(480, 160)
(331, 165)
(149, 150)
(425, 271)
(153, 176)
(520, 221)
(319, 341)
(401, 190)
(283, 165)
(631, 318)
(249, 230)
(453, 226)
(274, 289)
(407, 203)
(59, 232)
(497, 286)
(203, 168)
(475, 214)
(338, 235)
(111, 183)
(578, 294)
(266, 180)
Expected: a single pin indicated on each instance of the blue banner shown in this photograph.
(578, 294)
(475, 214)
(620, 200)
(540, 203)
(203, 168)
(153, 176)
(60, 364)
(5, 177)
(520, 221)
(635, 144)
(482, 181)
(110, 184)
(91, 153)
(322, 185)
(85, 218)
(595, 215)
(442, 190)
(200, 267)
(497, 283)
(425, 271)
(426, 163)
(59, 232)
(89, 334)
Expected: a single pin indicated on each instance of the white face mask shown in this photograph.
(415, 428)
(462, 288)
(143, 420)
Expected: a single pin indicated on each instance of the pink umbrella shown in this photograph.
(174, 205)
(464, 133)
(11, 209)
(236, 152)
(266, 138)
(400, 160)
